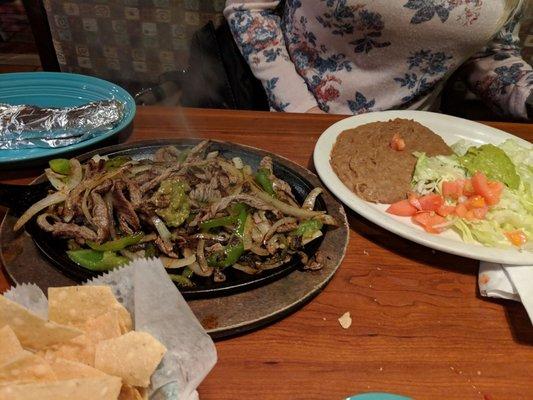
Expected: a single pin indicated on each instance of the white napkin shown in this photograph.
(512, 282)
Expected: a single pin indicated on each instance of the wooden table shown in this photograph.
(419, 326)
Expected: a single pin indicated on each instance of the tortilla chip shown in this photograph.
(66, 369)
(80, 349)
(75, 305)
(32, 331)
(133, 356)
(129, 392)
(27, 367)
(9, 345)
(103, 388)
(103, 327)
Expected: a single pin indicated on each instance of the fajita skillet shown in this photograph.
(20, 197)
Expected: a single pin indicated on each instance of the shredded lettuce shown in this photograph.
(513, 212)
(461, 147)
(431, 171)
(522, 158)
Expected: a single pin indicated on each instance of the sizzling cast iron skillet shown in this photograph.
(20, 197)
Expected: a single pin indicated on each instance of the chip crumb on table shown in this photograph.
(345, 320)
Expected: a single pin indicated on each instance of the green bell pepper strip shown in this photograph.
(217, 222)
(232, 252)
(97, 260)
(181, 280)
(262, 177)
(116, 162)
(60, 165)
(183, 155)
(187, 272)
(307, 228)
(117, 244)
(223, 221)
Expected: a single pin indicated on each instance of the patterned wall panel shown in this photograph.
(127, 41)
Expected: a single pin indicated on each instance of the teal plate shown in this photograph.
(59, 89)
(377, 396)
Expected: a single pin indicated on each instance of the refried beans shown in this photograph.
(367, 159)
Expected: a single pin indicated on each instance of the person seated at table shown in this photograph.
(353, 56)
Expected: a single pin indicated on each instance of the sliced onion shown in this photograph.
(237, 161)
(200, 255)
(247, 237)
(194, 267)
(246, 269)
(172, 263)
(315, 235)
(272, 265)
(161, 229)
(230, 169)
(211, 154)
(97, 157)
(75, 176)
(140, 168)
(236, 191)
(309, 202)
(277, 224)
(148, 238)
(286, 208)
(54, 198)
(129, 254)
(260, 251)
(304, 258)
(66, 182)
(85, 207)
(263, 227)
(55, 179)
(247, 170)
(198, 271)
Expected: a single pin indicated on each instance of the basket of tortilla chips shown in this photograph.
(126, 335)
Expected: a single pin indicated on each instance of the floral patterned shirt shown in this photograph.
(355, 56)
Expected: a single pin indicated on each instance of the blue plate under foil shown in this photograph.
(59, 89)
(377, 396)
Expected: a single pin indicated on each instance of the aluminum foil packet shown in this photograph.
(27, 126)
(157, 307)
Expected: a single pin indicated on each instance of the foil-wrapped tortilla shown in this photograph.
(26, 126)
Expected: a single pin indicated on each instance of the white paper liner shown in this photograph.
(157, 307)
(30, 296)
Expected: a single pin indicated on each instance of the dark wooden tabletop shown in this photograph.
(420, 327)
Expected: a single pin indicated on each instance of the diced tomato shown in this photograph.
(445, 210)
(481, 187)
(461, 210)
(518, 237)
(429, 220)
(496, 188)
(397, 143)
(403, 208)
(470, 216)
(414, 200)
(479, 213)
(468, 188)
(462, 199)
(452, 189)
(475, 201)
(431, 202)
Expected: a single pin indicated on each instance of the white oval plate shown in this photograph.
(451, 129)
